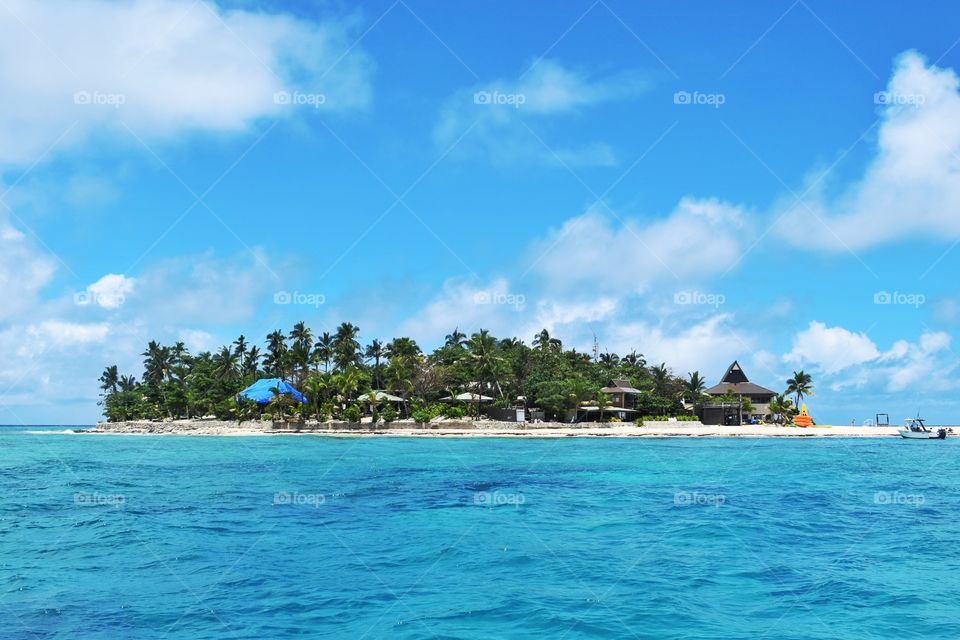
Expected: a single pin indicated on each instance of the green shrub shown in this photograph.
(353, 413)
(422, 416)
(389, 414)
(453, 411)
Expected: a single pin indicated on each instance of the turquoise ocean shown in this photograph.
(321, 537)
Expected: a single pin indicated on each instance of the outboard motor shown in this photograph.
(941, 434)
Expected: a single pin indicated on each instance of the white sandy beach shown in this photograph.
(483, 428)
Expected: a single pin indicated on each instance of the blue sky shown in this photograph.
(698, 182)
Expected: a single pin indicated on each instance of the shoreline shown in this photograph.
(481, 429)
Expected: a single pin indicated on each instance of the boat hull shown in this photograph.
(939, 434)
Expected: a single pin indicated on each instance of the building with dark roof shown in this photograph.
(735, 383)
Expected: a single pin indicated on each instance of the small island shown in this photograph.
(470, 385)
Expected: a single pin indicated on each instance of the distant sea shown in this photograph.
(310, 537)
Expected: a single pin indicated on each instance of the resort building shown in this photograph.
(736, 386)
(623, 398)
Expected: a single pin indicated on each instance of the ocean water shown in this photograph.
(310, 537)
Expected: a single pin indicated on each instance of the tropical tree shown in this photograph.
(486, 360)
(660, 376)
(346, 348)
(544, 342)
(109, 380)
(799, 386)
(301, 350)
(456, 338)
(375, 351)
(693, 389)
(323, 350)
(275, 360)
(782, 408)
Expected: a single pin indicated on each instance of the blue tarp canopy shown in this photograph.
(261, 390)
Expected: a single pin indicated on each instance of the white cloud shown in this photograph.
(23, 271)
(830, 349)
(911, 187)
(499, 112)
(848, 359)
(161, 67)
(708, 346)
(698, 239)
(110, 291)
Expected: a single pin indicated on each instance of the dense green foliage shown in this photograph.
(332, 371)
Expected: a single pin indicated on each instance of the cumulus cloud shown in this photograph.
(830, 349)
(162, 67)
(698, 239)
(911, 187)
(23, 271)
(497, 112)
(109, 292)
(850, 359)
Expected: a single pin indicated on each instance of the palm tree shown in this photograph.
(375, 351)
(252, 362)
(127, 383)
(275, 359)
(241, 351)
(455, 339)
(544, 342)
(110, 379)
(661, 378)
(403, 348)
(346, 348)
(156, 363)
(301, 341)
(226, 364)
(694, 387)
(800, 385)
(782, 407)
(314, 388)
(486, 359)
(323, 350)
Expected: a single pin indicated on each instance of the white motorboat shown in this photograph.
(915, 429)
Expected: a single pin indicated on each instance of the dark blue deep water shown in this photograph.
(311, 537)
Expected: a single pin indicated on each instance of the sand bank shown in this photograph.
(482, 428)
